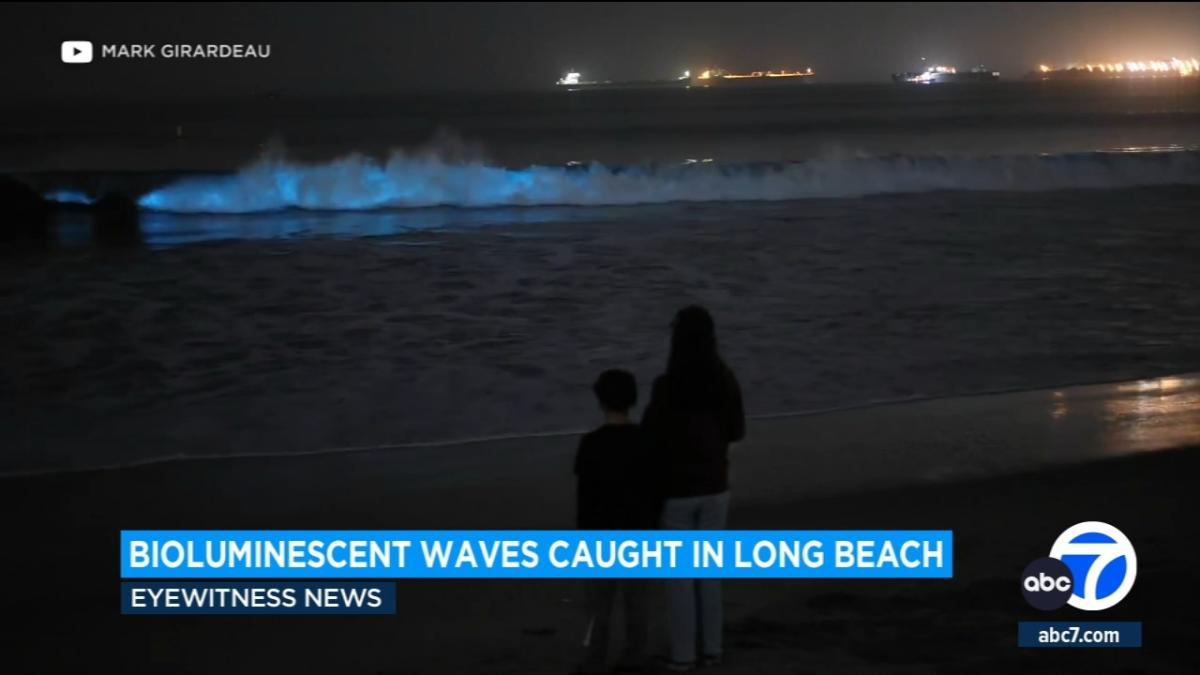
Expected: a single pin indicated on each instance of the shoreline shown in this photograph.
(1189, 383)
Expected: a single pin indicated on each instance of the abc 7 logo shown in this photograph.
(1092, 566)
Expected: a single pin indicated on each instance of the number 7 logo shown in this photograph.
(1102, 561)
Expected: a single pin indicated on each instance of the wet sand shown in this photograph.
(1142, 441)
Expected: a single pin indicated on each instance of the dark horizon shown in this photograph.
(356, 49)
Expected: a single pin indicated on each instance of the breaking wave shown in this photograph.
(401, 181)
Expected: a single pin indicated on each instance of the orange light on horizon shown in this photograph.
(1164, 67)
(719, 74)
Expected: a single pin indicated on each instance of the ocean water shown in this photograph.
(612, 127)
(610, 148)
(424, 269)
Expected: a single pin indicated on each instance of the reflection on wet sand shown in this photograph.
(971, 436)
(1154, 414)
(1139, 416)
(1060, 408)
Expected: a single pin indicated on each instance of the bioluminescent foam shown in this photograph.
(404, 181)
(69, 197)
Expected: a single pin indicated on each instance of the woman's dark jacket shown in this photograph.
(691, 422)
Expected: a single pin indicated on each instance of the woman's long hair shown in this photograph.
(694, 366)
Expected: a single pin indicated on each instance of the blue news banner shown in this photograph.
(341, 571)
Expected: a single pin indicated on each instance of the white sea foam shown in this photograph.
(358, 182)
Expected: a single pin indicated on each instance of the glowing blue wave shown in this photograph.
(402, 181)
(69, 197)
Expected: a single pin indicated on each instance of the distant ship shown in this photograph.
(573, 81)
(1119, 71)
(947, 75)
(717, 77)
(710, 77)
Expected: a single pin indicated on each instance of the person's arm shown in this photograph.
(737, 415)
(652, 420)
(579, 452)
(653, 411)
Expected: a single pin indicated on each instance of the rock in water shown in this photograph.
(24, 215)
(115, 221)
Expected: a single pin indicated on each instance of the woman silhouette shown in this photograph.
(695, 412)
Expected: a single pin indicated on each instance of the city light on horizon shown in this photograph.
(1163, 67)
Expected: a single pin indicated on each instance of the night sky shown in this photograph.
(372, 48)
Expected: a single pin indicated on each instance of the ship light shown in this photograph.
(569, 78)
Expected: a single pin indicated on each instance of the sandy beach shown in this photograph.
(1124, 453)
